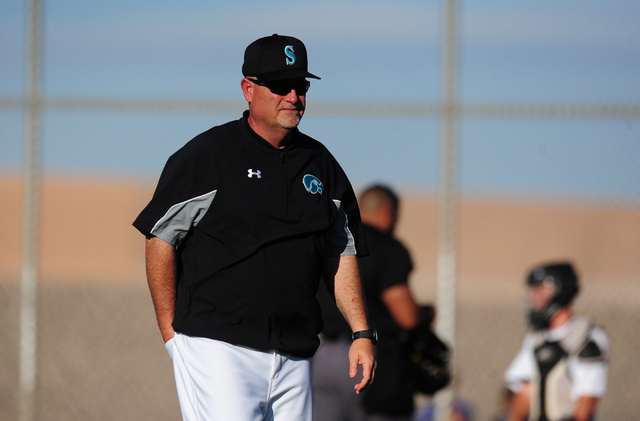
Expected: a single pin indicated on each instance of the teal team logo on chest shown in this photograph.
(312, 184)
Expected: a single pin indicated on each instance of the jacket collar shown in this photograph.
(257, 142)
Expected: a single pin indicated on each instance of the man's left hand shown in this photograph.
(362, 352)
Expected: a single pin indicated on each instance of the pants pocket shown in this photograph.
(168, 346)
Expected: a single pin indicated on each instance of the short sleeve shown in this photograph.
(590, 368)
(345, 237)
(182, 197)
(341, 240)
(395, 269)
(522, 367)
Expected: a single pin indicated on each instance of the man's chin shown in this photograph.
(290, 122)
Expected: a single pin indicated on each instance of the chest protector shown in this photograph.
(551, 383)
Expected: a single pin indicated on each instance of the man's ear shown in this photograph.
(247, 89)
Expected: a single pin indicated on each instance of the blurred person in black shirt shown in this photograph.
(392, 310)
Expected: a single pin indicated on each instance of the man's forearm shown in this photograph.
(520, 404)
(161, 276)
(401, 306)
(585, 408)
(343, 275)
(348, 293)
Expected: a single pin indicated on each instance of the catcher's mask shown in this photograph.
(564, 281)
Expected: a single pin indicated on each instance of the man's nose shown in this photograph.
(293, 96)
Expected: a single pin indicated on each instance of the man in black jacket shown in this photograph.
(245, 220)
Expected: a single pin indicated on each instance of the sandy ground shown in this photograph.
(86, 233)
(101, 357)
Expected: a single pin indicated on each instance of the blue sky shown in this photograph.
(575, 51)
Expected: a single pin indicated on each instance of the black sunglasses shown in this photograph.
(283, 87)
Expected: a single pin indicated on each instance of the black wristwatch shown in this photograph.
(368, 334)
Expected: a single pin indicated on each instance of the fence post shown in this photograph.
(29, 284)
(446, 263)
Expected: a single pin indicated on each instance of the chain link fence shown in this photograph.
(577, 134)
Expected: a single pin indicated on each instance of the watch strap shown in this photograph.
(368, 334)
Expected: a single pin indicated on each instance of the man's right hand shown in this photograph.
(161, 275)
(167, 334)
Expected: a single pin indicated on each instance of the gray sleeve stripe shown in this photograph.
(174, 226)
(340, 236)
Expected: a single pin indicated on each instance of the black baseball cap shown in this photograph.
(276, 57)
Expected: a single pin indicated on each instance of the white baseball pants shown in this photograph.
(217, 381)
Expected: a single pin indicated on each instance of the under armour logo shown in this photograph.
(291, 56)
(252, 173)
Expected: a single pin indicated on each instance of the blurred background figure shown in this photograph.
(504, 403)
(393, 311)
(461, 410)
(561, 370)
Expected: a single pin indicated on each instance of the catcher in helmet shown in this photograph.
(560, 373)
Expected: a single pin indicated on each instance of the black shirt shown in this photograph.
(252, 225)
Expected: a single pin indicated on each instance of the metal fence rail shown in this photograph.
(343, 108)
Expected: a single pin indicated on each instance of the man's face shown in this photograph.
(279, 104)
(541, 295)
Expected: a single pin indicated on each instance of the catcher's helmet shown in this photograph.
(565, 281)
